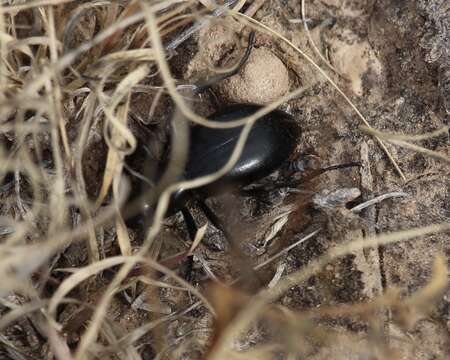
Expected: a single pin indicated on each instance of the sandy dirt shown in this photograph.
(392, 59)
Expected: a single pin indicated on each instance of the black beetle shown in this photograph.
(270, 142)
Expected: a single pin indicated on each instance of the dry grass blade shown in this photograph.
(377, 199)
(179, 150)
(31, 4)
(80, 184)
(20, 312)
(287, 249)
(122, 232)
(57, 92)
(110, 171)
(138, 333)
(79, 276)
(111, 331)
(23, 45)
(17, 263)
(390, 298)
(120, 134)
(82, 274)
(13, 352)
(66, 60)
(3, 58)
(402, 137)
(278, 223)
(198, 237)
(253, 8)
(58, 345)
(99, 314)
(422, 150)
(74, 19)
(136, 55)
(311, 41)
(399, 140)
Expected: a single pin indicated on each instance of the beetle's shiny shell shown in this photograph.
(270, 142)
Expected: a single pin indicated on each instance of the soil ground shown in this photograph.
(392, 59)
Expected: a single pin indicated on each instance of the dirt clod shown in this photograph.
(263, 79)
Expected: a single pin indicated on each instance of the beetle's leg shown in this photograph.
(341, 166)
(211, 216)
(192, 230)
(292, 184)
(190, 223)
(251, 279)
(256, 192)
(312, 174)
(215, 79)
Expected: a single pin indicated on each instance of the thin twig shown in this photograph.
(311, 41)
(377, 200)
(403, 137)
(286, 250)
(254, 7)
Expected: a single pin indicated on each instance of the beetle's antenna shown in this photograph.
(215, 79)
(320, 171)
(339, 166)
(294, 183)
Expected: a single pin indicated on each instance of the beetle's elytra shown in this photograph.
(270, 143)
